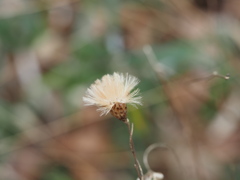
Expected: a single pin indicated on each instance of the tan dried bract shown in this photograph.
(119, 110)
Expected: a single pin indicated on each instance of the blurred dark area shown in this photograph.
(185, 53)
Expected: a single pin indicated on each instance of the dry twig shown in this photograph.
(131, 144)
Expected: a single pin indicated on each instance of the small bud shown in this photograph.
(227, 76)
(215, 73)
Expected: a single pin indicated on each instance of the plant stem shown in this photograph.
(131, 144)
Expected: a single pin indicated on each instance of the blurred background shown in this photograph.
(182, 51)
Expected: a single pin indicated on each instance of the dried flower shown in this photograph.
(112, 93)
(150, 175)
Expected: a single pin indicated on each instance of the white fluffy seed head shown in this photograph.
(112, 89)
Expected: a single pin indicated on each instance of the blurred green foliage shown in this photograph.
(19, 32)
(90, 60)
(56, 173)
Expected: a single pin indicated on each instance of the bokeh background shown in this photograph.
(183, 52)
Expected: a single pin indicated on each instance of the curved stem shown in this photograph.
(131, 144)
